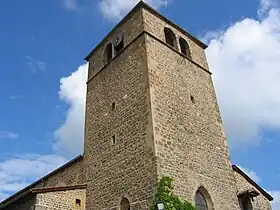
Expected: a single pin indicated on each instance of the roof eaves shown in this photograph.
(252, 182)
(56, 189)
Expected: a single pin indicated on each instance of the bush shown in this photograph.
(170, 201)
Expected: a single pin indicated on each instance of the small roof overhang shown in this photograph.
(251, 192)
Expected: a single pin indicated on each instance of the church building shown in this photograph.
(151, 111)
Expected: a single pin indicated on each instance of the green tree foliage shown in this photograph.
(170, 201)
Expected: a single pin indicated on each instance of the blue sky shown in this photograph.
(43, 44)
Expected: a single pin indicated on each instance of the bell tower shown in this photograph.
(151, 110)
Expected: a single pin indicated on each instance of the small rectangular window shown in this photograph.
(192, 99)
(78, 202)
(113, 106)
(113, 139)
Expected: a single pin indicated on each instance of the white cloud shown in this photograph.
(34, 64)
(266, 5)
(276, 200)
(41, 65)
(8, 135)
(244, 59)
(115, 9)
(251, 174)
(17, 172)
(70, 135)
(70, 4)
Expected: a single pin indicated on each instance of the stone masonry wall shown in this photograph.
(71, 175)
(155, 26)
(131, 28)
(189, 137)
(61, 200)
(126, 168)
(260, 202)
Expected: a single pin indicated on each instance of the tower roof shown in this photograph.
(144, 5)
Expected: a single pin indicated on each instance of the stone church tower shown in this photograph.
(151, 110)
